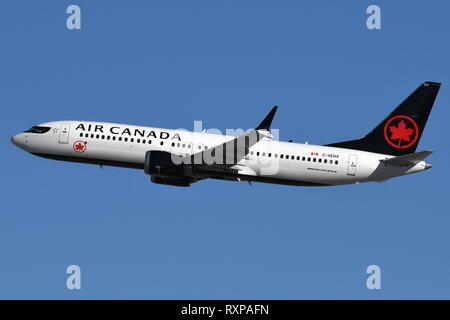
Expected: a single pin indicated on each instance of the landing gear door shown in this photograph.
(352, 163)
(64, 133)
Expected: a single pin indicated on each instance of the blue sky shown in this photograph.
(168, 63)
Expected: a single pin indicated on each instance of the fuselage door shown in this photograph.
(64, 133)
(352, 162)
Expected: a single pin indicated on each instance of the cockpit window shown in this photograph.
(38, 129)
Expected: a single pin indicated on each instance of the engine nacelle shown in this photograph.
(160, 164)
(183, 182)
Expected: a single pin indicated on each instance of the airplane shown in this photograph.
(181, 157)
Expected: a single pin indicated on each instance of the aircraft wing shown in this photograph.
(231, 152)
(408, 159)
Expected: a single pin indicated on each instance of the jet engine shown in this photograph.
(161, 164)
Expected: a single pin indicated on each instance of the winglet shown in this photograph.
(265, 124)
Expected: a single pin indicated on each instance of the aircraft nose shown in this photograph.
(15, 140)
(19, 140)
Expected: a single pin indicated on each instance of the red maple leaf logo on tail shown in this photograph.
(401, 132)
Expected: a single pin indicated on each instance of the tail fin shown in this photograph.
(399, 133)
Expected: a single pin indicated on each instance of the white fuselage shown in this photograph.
(268, 160)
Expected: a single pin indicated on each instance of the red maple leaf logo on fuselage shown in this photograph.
(401, 132)
(79, 146)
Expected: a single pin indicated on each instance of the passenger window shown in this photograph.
(143, 140)
(183, 145)
(320, 160)
(162, 143)
(281, 156)
(303, 158)
(314, 159)
(298, 158)
(132, 139)
(97, 136)
(325, 161)
(120, 138)
(126, 139)
(81, 134)
(138, 140)
(263, 154)
(103, 136)
(336, 162)
(309, 159)
(149, 141)
(114, 138)
(257, 153)
(276, 155)
(251, 152)
(108, 137)
(269, 155)
(173, 144)
(292, 157)
(92, 135)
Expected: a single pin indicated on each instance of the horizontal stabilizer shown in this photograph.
(408, 159)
